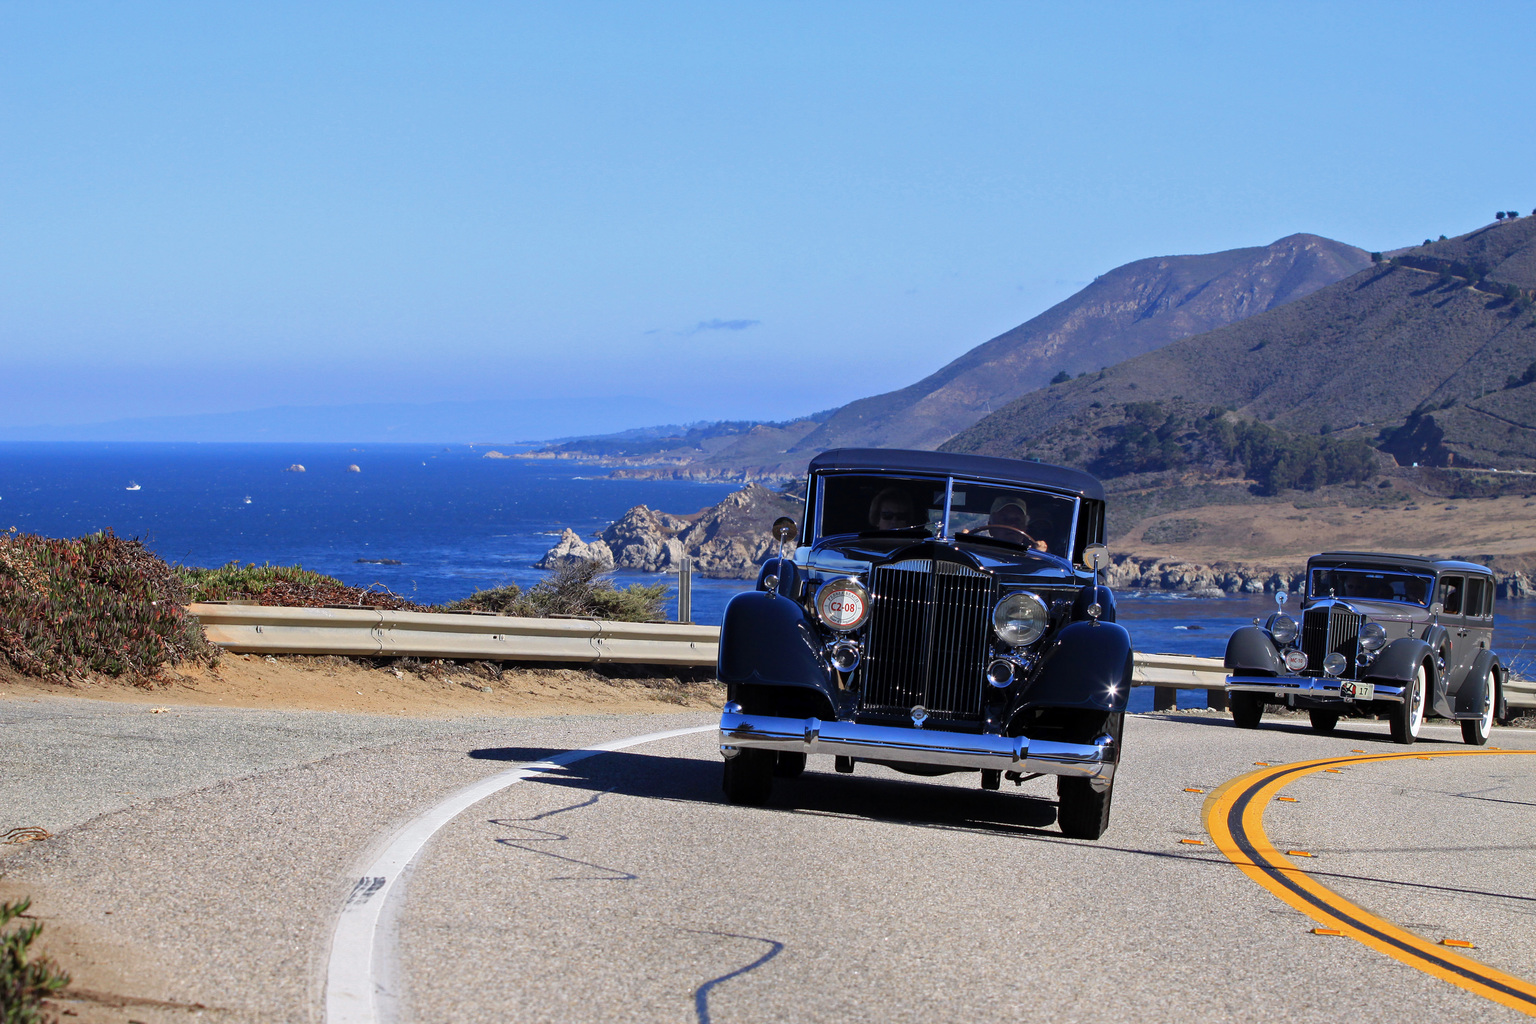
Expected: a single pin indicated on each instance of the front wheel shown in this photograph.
(1408, 717)
(789, 766)
(748, 777)
(1082, 812)
(1477, 730)
(1323, 722)
(1247, 709)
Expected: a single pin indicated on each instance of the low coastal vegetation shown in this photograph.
(100, 605)
(25, 980)
(95, 604)
(285, 585)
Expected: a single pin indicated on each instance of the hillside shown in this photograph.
(1433, 366)
(1133, 309)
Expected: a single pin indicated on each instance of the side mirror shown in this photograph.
(1096, 557)
(1280, 598)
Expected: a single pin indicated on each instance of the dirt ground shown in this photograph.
(396, 687)
(1283, 534)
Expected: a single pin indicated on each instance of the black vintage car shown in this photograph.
(941, 614)
(1386, 634)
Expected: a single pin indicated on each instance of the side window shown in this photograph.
(1449, 594)
(1477, 596)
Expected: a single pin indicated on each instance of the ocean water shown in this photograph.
(454, 521)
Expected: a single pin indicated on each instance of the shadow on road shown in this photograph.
(693, 780)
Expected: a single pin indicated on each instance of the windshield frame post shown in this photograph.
(949, 494)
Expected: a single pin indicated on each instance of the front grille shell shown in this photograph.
(928, 642)
(1327, 629)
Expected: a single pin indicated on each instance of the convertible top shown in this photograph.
(982, 467)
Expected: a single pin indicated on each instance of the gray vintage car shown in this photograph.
(1394, 635)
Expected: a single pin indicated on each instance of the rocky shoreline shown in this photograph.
(1138, 572)
(727, 541)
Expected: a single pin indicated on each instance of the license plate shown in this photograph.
(1351, 690)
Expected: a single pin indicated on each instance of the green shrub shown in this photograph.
(577, 588)
(286, 585)
(25, 980)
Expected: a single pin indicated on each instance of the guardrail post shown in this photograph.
(1164, 698)
(685, 590)
(1216, 700)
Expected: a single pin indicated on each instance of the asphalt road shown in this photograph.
(623, 888)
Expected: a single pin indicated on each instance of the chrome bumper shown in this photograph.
(1094, 761)
(1313, 687)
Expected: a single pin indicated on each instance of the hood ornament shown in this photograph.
(919, 715)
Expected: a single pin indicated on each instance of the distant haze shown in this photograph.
(533, 419)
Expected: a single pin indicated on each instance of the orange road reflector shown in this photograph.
(1288, 799)
(1336, 771)
(1297, 853)
(1357, 751)
(1326, 931)
(1193, 842)
(1262, 764)
(1458, 943)
(1191, 789)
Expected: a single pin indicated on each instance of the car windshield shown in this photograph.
(1372, 585)
(1011, 515)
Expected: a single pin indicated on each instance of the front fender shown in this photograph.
(788, 574)
(765, 640)
(1400, 660)
(1474, 689)
(1090, 667)
(1251, 652)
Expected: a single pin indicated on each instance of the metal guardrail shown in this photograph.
(361, 632)
(358, 632)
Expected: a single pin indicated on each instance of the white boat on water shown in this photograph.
(247, 499)
(131, 486)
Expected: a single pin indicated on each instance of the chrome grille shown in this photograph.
(1326, 630)
(929, 626)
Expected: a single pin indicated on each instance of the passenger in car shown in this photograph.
(892, 509)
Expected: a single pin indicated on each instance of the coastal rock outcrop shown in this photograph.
(728, 541)
(572, 548)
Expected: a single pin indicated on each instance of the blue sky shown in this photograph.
(738, 210)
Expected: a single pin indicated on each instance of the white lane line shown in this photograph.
(353, 985)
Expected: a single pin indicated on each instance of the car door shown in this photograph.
(1451, 594)
(1477, 619)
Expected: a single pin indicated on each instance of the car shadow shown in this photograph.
(863, 796)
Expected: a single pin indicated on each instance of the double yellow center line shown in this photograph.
(1234, 817)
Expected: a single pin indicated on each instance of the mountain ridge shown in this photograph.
(1355, 359)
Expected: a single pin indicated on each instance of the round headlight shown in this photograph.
(1372, 636)
(844, 655)
(842, 604)
(1020, 619)
(1335, 664)
(1283, 628)
(1295, 660)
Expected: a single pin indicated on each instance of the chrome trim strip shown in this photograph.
(1316, 687)
(1095, 760)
